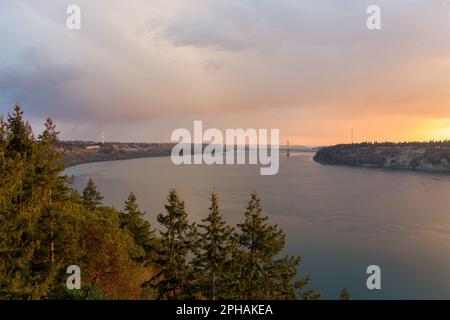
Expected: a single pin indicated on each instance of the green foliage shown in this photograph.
(132, 219)
(19, 137)
(174, 277)
(260, 275)
(87, 292)
(345, 295)
(20, 208)
(45, 226)
(92, 198)
(214, 254)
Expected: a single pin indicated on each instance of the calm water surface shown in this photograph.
(339, 219)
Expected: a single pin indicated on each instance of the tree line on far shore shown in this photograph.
(432, 143)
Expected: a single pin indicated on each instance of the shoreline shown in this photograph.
(75, 162)
(430, 158)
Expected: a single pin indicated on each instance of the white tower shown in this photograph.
(103, 137)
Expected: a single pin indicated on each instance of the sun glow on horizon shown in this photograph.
(441, 134)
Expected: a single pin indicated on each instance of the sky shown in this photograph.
(140, 69)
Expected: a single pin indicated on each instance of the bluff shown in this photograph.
(419, 156)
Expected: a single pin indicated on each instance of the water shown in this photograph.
(338, 219)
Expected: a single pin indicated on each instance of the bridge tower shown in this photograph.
(288, 150)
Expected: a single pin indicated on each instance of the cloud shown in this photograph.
(152, 61)
(38, 80)
(212, 66)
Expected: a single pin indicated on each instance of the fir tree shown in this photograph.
(20, 137)
(216, 244)
(260, 275)
(310, 294)
(92, 198)
(17, 245)
(53, 191)
(140, 229)
(20, 208)
(50, 162)
(261, 242)
(173, 280)
(344, 295)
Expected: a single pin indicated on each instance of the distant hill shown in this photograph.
(77, 152)
(419, 156)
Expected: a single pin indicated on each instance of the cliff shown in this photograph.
(427, 157)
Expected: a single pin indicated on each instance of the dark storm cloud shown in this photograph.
(39, 83)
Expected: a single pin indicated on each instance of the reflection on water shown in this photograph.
(339, 219)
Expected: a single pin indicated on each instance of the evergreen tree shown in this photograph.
(49, 164)
(261, 242)
(20, 208)
(140, 229)
(20, 137)
(16, 243)
(345, 295)
(19, 146)
(52, 188)
(92, 198)
(174, 278)
(261, 276)
(214, 254)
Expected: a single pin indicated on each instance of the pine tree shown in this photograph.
(92, 198)
(310, 294)
(50, 163)
(173, 280)
(260, 275)
(214, 254)
(261, 242)
(20, 137)
(140, 229)
(345, 295)
(51, 186)
(20, 208)
(16, 243)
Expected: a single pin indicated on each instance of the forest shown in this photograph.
(46, 225)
